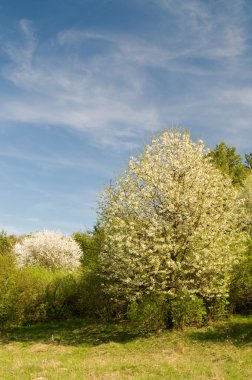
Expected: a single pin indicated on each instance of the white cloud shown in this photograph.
(241, 96)
(211, 30)
(130, 85)
(90, 94)
(22, 54)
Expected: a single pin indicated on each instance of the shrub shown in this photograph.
(6, 244)
(148, 315)
(185, 310)
(48, 249)
(94, 303)
(32, 283)
(35, 294)
(241, 285)
(218, 308)
(45, 295)
(8, 293)
(62, 296)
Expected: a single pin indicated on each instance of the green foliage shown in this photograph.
(241, 286)
(229, 162)
(90, 244)
(8, 294)
(85, 242)
(45, 295)
(186, 310)
(248, 160)
(8, 281)
(94, 303)
(62, 296)
(35, 294)
(218, 309)
(32, 283)
(149, 315)
(6, 244)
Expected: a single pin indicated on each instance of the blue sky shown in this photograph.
(85, 83)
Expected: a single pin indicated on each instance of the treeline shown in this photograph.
(172, 247)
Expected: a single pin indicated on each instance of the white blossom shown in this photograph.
(49, 249)
(172, 220)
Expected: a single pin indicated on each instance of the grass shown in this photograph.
(86, 350)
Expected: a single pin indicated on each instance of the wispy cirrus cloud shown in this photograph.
(22, 54)
(90, 94)
(117, 87)
(212, 29)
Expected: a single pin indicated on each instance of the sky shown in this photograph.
(84, 84)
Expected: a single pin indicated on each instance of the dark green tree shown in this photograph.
(248, 160)
(230, 162)
(90, 243)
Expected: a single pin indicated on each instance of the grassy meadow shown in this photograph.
(85, 349)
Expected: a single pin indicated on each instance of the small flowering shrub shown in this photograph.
(50, 250)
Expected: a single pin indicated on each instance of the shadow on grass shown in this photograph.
(237, 331)
(74, 333)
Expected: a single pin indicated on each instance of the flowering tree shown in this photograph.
(172, 222)
(49, 249)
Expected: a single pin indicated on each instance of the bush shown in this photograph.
(8, 293)
(186, 310)
(34, 294)
(6, 244)
(49, 249)
(241, 285)
(148, 315)
(44, 295)
(32, 284)
(94, 303)
(217, 309)
(62, 297)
